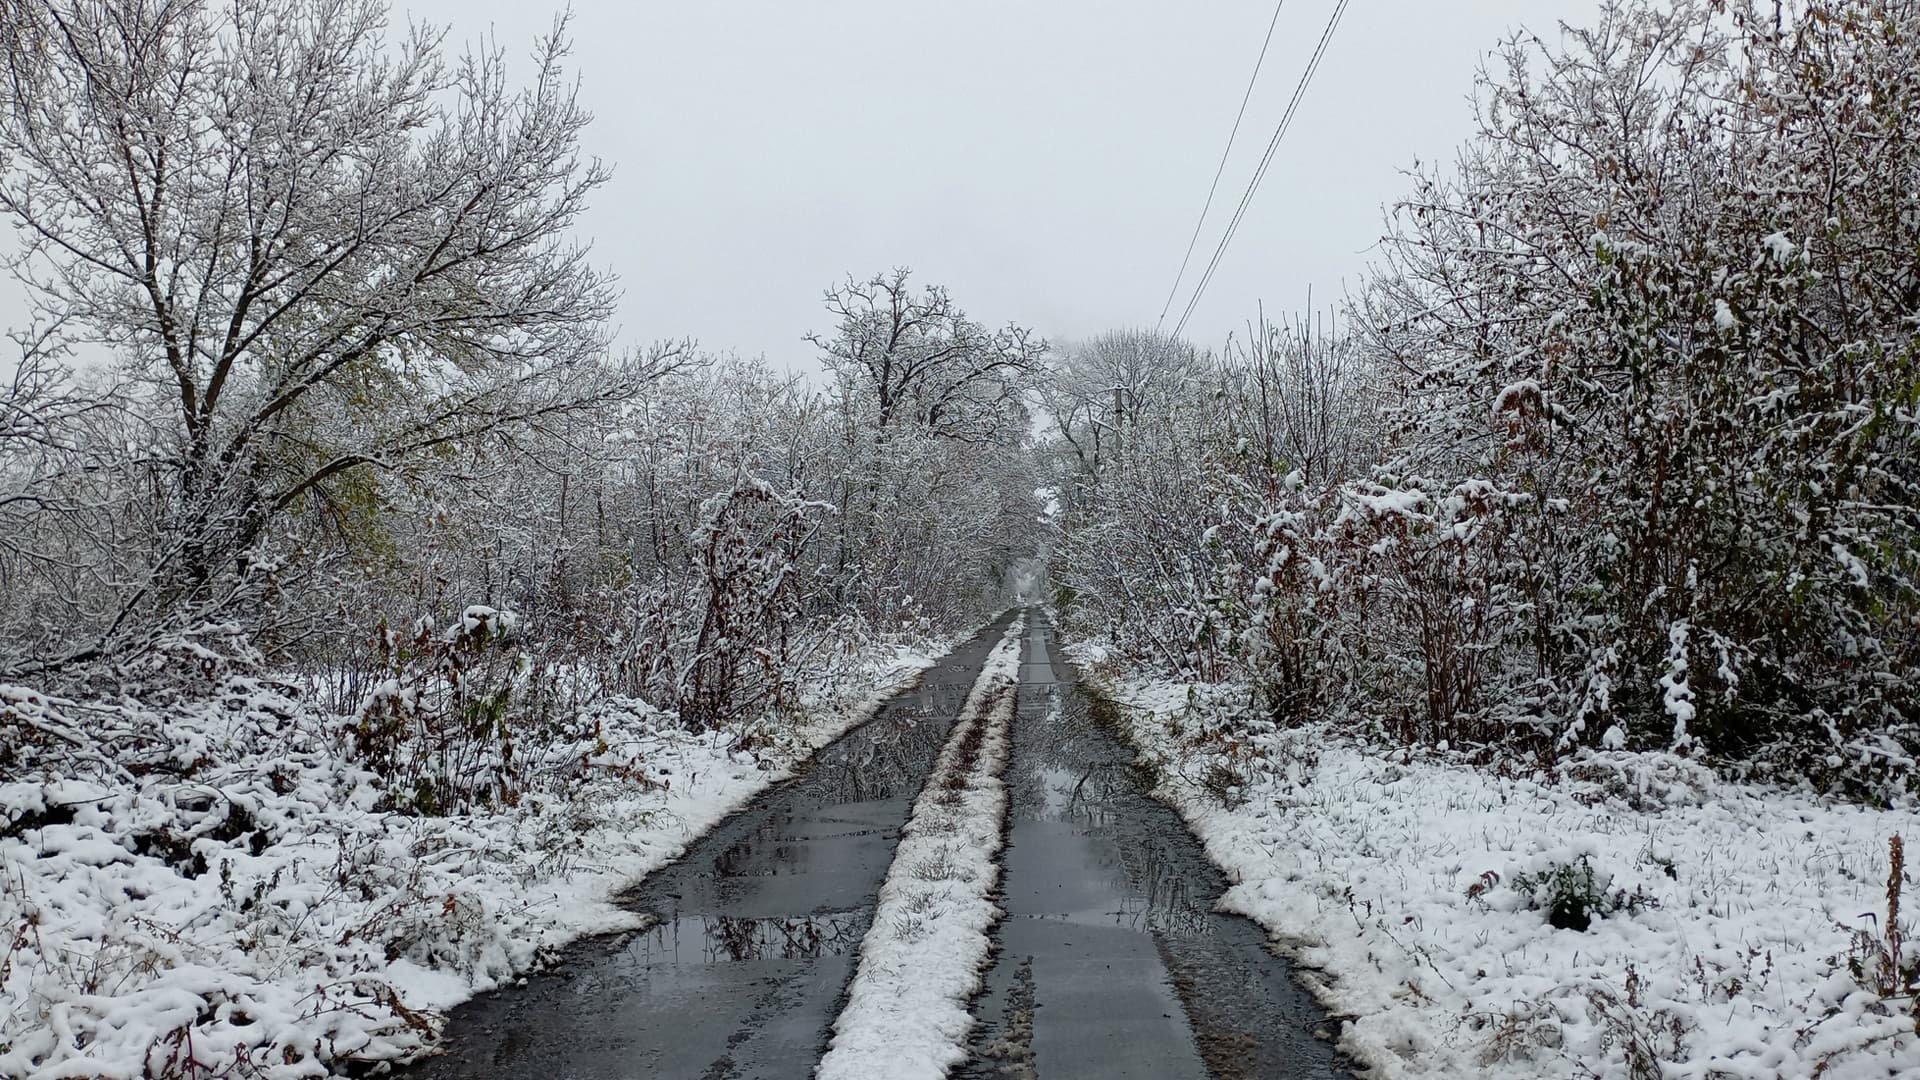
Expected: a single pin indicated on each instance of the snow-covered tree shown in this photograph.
(913, 356)
(934, 447)
(1657, 310)
(1646, 470)
(1097, 389)
(313, 253)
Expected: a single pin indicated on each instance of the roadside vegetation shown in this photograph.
(1535, 636)
(367, 617)
(1598, 493)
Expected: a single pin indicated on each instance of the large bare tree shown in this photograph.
(1101, 386)
(313, 253)
(918, 358)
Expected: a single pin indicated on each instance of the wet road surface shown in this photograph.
(1112, 962)
(1109, 963)
(759, 920)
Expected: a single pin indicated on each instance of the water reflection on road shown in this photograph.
(1112, 960)
(743, 973)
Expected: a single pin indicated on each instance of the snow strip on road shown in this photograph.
(906, 1015)
(1748, 931)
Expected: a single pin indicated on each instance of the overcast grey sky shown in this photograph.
(1045, 159)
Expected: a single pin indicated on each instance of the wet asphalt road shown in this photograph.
(744, 974)
(1109, 963)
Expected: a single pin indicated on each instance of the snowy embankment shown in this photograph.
(1731, 931)
(245, 909)
(906, 1015)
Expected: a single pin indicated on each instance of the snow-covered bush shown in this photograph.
(1618, 447)
(739, 664)
(1435, 903)
(1671, 341)
(464, 717)
(1573, 894)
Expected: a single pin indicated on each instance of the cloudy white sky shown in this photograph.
(1045, 159)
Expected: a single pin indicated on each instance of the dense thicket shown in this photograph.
(318, 384)
(1623, 429)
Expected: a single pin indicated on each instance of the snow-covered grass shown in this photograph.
(1734, 931)
(906, 1015)
(245, 909)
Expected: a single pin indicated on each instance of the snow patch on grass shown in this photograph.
(243, 909)
(906, 1015)
(1732, 931)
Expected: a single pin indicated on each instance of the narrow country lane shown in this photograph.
(1109, 961)
(744, 973)
(1112, 962)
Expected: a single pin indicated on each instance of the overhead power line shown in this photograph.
(1222, 168)
(1279, 132)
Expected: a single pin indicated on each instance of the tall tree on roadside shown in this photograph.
(314, 253)
(935, 428)
(915, 357)
(1099, 387)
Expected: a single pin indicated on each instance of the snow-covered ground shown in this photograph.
(906, 1015)
(1740, 932)
(262, 918)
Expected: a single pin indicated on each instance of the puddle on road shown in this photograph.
(1112, 961)
(759, 922)
(1109, 949)
(1079, 860)
(720, 939)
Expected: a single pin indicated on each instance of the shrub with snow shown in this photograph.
(1626, 916)
(221, 885)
